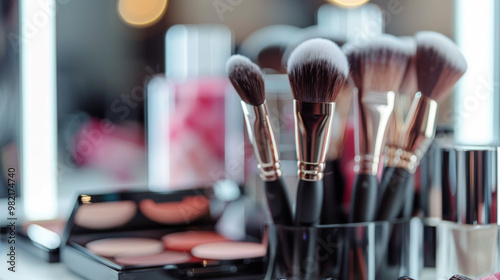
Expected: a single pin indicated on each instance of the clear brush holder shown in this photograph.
(470, 250)
(371, 251)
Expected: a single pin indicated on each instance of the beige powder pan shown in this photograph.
(229, 250)
(129, 247)
(104, 215)
(164, 258)
(185, 241)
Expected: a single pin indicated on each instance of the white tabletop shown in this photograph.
(29, 267)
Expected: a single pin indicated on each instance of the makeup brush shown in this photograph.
(377, 68)
(402, 103)
(334, 181)
(247, 80)
(317, 70)
(439, 65)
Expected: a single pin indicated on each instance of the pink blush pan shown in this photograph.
(229, 250)
(111, 247)
(167, 257)
(185, 241)
(183, 212)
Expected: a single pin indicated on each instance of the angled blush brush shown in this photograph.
(439, 65)
(246, 78)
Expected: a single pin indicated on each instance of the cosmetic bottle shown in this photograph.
(467, 236)
(202, 140)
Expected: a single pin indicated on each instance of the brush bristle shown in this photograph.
(317, 70)
(247, 80)
(378, 64)
(439, 64)
(409, 84)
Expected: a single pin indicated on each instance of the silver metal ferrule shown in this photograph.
(418, 132)
(261, 135)
(372, 112)
(313, 122)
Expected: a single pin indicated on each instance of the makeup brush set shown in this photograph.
(396, 85)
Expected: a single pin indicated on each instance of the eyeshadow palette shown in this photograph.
(173, 235)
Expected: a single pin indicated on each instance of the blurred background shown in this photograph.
(116, 122)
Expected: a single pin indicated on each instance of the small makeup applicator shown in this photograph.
(439, 65)
(377, 68)
(247, 80)
(317, 70)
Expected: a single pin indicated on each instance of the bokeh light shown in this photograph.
(141, 13)
(349, 3)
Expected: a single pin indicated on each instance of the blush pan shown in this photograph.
(188, 210)
(167, 257)
(111, 247)
(185, 241)
(229, 250)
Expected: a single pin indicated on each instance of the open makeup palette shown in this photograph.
(145, 235)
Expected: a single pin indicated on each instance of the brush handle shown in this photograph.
(382, 186)
(363, 198)
(408, 208)
(395, 186)
(333, 191)
(309, 201)
(278, 202)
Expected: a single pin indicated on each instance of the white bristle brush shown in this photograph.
(377, 69)
(317, 70)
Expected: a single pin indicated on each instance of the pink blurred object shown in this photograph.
(197, 132)
(10, 159)
(495, 276)
(348, 163)
(117, 149)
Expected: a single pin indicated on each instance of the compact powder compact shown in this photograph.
(153, 236)
(42, 239)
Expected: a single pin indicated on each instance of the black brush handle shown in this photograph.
(333, 191)
(363, 198)
(309, 201)
(409, 204)
(278, 202)
(381, 187)
(394, 196)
